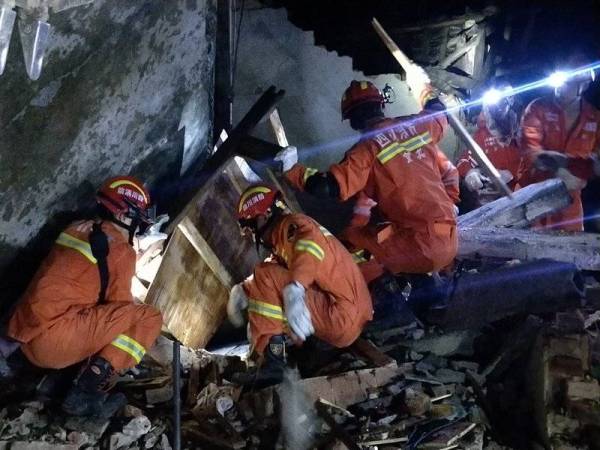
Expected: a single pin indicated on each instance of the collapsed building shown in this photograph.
(197, 97)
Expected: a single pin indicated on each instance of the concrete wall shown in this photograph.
(273, 51)
(126, 88)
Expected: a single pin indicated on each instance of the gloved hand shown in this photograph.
(474, 180)
(296, 312)
(506, 175)
(153, 233)
(572, 182)
(550, 161)
(238, 302)
(288, 157)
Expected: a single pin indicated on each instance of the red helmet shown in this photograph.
(256, 200)
(125, 195)
(360, 92)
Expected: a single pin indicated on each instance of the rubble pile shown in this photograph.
(507, 385)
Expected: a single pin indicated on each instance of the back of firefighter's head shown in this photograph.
(259, 206)
(572, 76)
(125, 201)
(362, 103)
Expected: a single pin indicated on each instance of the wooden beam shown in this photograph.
(527, 205)
(278, 129)
(581, 249)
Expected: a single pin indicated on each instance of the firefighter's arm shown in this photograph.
(307, 254)
(532, 134)
(298, 175)
(449, 175)
(351, 175)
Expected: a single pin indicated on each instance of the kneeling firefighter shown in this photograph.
(79, 306)
(310, 285)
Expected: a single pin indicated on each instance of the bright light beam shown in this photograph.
(349, 140)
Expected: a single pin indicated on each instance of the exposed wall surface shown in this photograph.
(273, 51)
(127, 87)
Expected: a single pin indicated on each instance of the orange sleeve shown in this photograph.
(308, 253)
(353, 172)
(532, 134)
(298, 174)
(437, 124)
(121, 272)
(581, 167)
(449, 175)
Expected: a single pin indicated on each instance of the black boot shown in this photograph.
(271, 371)
(89, 397)
(389, 294)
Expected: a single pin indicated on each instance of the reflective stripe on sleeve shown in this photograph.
(397, 148)
(83, 247)
(305, 245)
(266, 310)
(130, 346)
(309, 172)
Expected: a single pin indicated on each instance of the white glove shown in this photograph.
(153, 233)
(506, 175)
(238, 302)
(456, 211)
(474, 180)
(288, 157)
(296, 312)
(572, 182)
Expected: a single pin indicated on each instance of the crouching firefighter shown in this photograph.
(310, 285)
(79, 308)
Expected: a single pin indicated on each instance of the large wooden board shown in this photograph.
(205, 256)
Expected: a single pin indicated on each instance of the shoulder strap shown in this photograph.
(99, 245)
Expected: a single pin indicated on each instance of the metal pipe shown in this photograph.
(176, 397)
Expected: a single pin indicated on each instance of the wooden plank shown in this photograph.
(368, 351)
(581, 249)
(278, 129)
(336, 430)
(189, 295)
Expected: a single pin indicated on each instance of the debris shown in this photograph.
(131, 411)
(94, 426)
(159, 395)
(135, 429)
(449, 376)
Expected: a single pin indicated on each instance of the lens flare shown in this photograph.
(557, 79)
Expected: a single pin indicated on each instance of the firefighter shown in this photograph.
(397, 164)
(496, 134)
(79, 307)
(563, 122)
(310, 285)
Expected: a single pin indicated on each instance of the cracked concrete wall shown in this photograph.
(274, 51)
(127, 87)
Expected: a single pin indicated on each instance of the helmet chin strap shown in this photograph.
(131, 228)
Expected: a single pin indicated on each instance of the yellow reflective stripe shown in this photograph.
(325, 231)
(410, 145)
(248, 193)
(309, 172)
(130, 346)
(83, 247)
(266, 309)
(305, 245)
(358, 257)
(118, 183)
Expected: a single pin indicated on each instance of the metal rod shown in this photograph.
(176, 397)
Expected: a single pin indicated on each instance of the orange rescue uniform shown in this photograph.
(336, 294)
(399, 165)
(543, 128)
(504, 153)
(59, 320)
